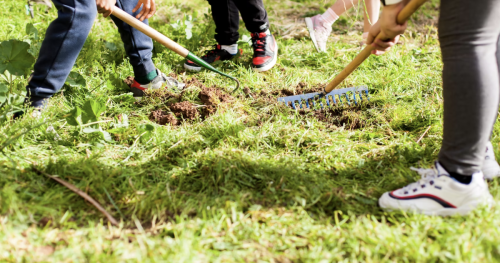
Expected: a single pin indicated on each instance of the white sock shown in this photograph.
(330, 16)
(231, 49)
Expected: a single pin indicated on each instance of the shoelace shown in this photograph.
(259, 43)
(426, 176)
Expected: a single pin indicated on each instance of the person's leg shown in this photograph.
(468, 34)
(138, 46)
(340, 6)
(253, 14)
(265, 48)
(371, 14)
(227, 21)
(63, 41)
(320, 26)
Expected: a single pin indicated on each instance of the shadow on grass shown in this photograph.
(174, 185)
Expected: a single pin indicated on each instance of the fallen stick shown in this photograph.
(82, 194)
(425, 132)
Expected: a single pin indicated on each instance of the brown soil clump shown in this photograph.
(349, 117)
(247, 90)
(163, 117)
(195, 82)
(184, 109)
(212, 97)
(129, 81)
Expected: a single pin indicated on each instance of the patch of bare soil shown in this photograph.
(212, 98)
(163, 117)
(179, 111)
(129, 81)
(349, 117)
(185, 110)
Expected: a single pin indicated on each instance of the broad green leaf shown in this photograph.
(15, 58)
(90, 130)
(106, 136)
(148, 127)
(92, 109)
(31, 30)
(110, 46)
(3, 92)
(76, 80)
(74, 119)
(117, 130)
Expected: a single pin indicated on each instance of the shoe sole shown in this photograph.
(462, 210)
(191, 68)
(310, 27)
(273, 62)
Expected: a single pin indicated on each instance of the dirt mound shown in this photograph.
(195, 82)
(163, 117)
(129, 81)
(185, 110)
(212, 97)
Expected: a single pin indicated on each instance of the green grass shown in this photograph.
(254, 182)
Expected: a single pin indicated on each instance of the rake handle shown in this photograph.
(405, 13)
(150, 32)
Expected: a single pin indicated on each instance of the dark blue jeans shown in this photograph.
(65, 38)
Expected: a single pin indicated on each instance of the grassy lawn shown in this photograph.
(240, 179)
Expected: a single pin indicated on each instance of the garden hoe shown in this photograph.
(308, 100)
(167, 42)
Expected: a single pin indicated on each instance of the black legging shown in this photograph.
(468, 34)
(227, 19)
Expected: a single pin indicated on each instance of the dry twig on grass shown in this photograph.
(82, 194)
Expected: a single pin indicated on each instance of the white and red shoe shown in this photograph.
(161, 81)
(265, 51)
(490, 168)
(438, 194)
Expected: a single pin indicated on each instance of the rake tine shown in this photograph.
(347, 99)
(293, 105)
(354, 98)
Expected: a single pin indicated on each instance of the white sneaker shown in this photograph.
(490, 169)
(438, 194)
(319, 31)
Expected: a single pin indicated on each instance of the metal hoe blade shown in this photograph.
(333, 98)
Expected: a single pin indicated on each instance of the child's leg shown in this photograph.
(342, 5)
(265, 48)
(372, 11)
(253, 14)
(63, 41)
(227, 21)
(138, 46)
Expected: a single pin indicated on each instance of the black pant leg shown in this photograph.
(254, 15)
(227, 21)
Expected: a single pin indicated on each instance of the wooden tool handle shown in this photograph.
(135, 23)
(405, 13)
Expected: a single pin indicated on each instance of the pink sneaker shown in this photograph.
(319, 31)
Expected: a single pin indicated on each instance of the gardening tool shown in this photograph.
(167, 42)
(328, 93)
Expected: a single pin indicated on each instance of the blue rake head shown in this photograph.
(332, 98)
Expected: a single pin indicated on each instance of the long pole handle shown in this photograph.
(405, 13)
(150, 32)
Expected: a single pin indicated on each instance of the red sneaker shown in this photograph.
(265, 51)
